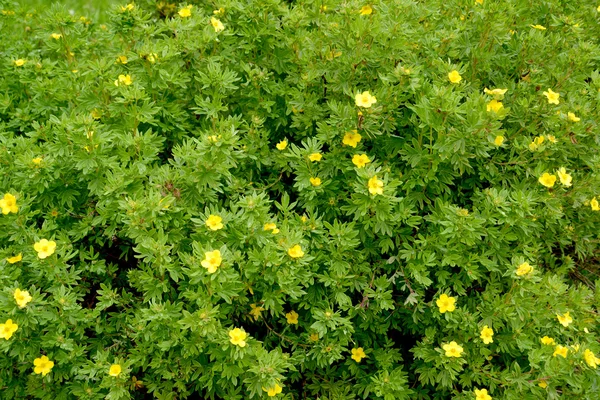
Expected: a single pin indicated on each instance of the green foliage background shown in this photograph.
(129, 175)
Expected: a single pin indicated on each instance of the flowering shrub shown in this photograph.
(300, 200)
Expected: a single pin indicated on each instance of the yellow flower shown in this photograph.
(552, 138)
(552, 96)
(366, 10)
(495, 106)
(590, 358)
(270, 226)
(295, 251)
(315, 181)
(255, 311)
(497, 93)
(124, 80)
(9, 204)
(540, 27)
(114, 370)
(594, 204)
(96, 114)
(364, 99)
(128, 7)
(565, 319)
(547, 340)
(314, 337)
(560, 351)
(315, 157)
(452, 349)
(292, 318)
(358, 354)
(274, 391)
(185, 12)
(217, 24)
(42, 365)
(375, 186)
(478, 2)
(15, 259)
(499, 140)
(56, 36)
(20, 62)
(542, 384)
(37, 160)
(7, 329)
(45, 248)
(219, 11)
(122, 59)
(524, 269)
(212, 261)
(487, 334)
(482, 394)
(446, 303)
(547, 179)
(282, 145)
(238, 337)
(360, 160)
(454, 76)
(22, 297)
(351, 138)
(565, 179)
(572, 117)
(214, 222)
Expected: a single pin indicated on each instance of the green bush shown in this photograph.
(302, 200)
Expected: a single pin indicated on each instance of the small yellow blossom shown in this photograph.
(315, 181)
(292, 318)
(494, 106)
(270, 226)
(454, 76)
(524, 269)
(547, 179)
(452, 349)
(56, 36)
(96, 114)
(594, 204)
(553, 97)
(366, 10)
(22, 297)
(128, 7)
(212, 261)
(547, 340)
(114, 370)
(123, 80)
(565, 319)
(572, 117)
(295, 251)
(273, 391)
(122, 59)
(542, 384)
(560, 351)
(238, 337)
(552, 138)
(365, 99)
(565, 179)
(446, 303)
(375, 186)
(220, 11)
(487, 334)
(8, 204)
(217, 24)
(214, 222)
(255, 311)
(315, 157)
(482, 394)
(7, 329)
(360, 160)
(498, 94)
(590, 358)
(185, 12)
(20, 62)
(314, 337)
(15, 259)
(358, 354)
(499, 140)
(45, 248)
(42, 365)
(282, 145)
(540, 27)
(37, 160)
(351, 138)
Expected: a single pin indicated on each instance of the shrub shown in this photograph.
(324, 200)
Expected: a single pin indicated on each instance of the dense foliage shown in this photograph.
(302, 200)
